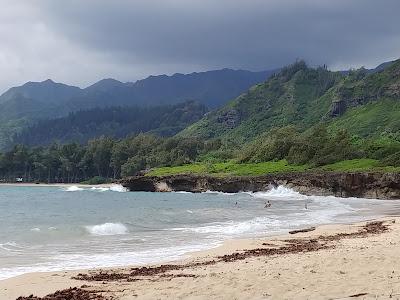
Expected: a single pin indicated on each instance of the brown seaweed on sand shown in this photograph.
(291, 246)
(70, 294)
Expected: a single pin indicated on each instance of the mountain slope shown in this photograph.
(23, 106)
(303, 96)
(294, 96)
(115, 122)
(369, 105)
(48, 92)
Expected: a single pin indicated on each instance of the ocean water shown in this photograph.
(54, 228)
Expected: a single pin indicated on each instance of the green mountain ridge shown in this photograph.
(303, 97)
(301, 119)
(116, 122)
(23, 106)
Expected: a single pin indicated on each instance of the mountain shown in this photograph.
(212, 88)
(117, 122)
(365, 103)
(24, 105)
(47, 91)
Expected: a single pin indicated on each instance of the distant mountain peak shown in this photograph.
(104, 85)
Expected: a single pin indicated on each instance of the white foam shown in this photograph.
(219, 193)
(114, 188)
(11, 247)
(107, 229)
(89, 261)
(231, 228)
(100, 189)
(35, 229)
(118, 188)
(329, 210)
(281, 192)
(73, 188)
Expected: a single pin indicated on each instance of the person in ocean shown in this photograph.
(267, 204)
(305, 205)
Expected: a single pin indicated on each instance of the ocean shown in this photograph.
(66, 228)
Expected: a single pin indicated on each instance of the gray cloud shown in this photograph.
(81, 41)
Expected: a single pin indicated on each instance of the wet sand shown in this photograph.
(358, 261)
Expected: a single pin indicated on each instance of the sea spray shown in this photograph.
(278, 192)
(118, 188)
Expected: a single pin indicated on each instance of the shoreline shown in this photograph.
(56, 184)
(237, 274)
(340, 184)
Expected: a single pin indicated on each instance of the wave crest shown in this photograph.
(279, 192)
(73, 188)
(114, 188)
(118, 188)
(107, 229)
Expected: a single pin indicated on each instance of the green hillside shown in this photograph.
(365, 103)
(117, 122)
(301, 119)
(24, 106)
(297, 95)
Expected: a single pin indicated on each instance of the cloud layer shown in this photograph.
(79, 42)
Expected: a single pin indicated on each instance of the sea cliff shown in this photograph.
(366, 185)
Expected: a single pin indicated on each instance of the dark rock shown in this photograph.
(366, 185)
(230, 119)
(337, 108)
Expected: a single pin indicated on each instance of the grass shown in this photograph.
(380, 116)
(185, 169)
(359, 165)
(272, 167)
(352, 165)
(230, 168)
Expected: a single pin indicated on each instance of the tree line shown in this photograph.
(102, 157)
(118, 122)
(108, 158)
(319, 146)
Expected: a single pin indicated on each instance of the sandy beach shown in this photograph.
(357, 261)
(25, 184)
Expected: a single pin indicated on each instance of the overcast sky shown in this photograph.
(81, 41)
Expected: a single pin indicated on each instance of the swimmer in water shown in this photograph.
(268, 204)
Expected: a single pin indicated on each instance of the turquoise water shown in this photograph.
(53, 228)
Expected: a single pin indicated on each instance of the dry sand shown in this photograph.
(321, 264)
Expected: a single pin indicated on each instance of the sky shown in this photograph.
(79, 42)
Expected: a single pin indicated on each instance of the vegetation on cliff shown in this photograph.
(300, 119)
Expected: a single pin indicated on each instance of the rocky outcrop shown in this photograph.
(230, 119)
(366, 185)
(337, 108)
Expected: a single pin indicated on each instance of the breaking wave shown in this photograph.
(278, 192)
(114, 188)
(107, 229)
(73, 188)
(118, 188)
